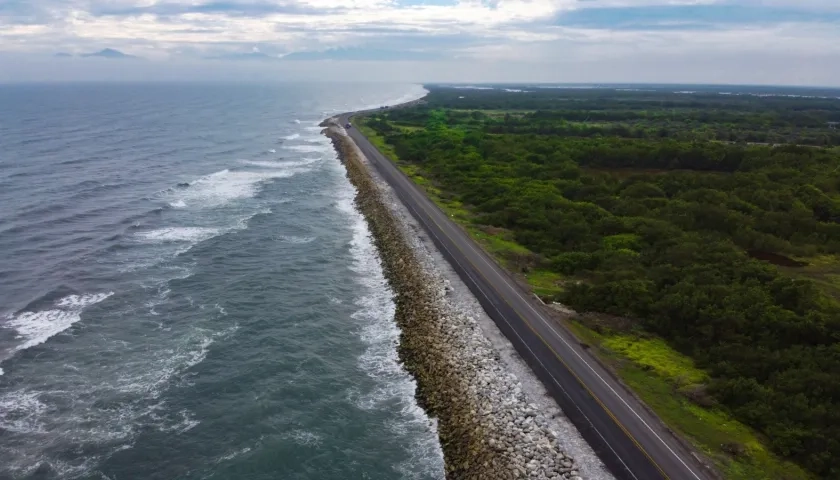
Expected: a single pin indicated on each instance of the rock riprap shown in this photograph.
(487, 429)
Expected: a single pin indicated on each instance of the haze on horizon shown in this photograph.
(762, 42)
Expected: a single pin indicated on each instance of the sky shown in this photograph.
(777, 42)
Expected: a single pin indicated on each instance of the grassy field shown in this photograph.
(663, 378)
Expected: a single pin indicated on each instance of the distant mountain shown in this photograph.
(109, 53)
(62, 55)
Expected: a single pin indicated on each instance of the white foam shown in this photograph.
(46, 422)
(281, 164)
(233, 454)
(20, 410)
(42, 421)
(380, 360)
(292, 136)
(271, 150)
(296, 121)
(170, 363)
(225, 186)
(186, 423)
(304, 437)
(178, 204)
(178, 234)
(309, 148)
(34, 328)
(295, 240)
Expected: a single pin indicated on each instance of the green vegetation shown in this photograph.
(673, 387)
(720, 255)
(545, 283)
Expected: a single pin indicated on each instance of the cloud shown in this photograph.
(684, 17)
(356, 54)
(231, 8)
(543, 33)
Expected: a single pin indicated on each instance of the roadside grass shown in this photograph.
(657, 374)
(377, 140)
(545, 283)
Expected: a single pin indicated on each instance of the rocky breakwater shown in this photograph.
(487, 429)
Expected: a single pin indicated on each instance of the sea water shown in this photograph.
(187, 290)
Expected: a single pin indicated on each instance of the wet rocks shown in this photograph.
(487, 429)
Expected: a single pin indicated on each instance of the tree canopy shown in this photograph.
(659, 223)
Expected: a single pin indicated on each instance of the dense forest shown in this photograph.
(804, 119)
(655, 207)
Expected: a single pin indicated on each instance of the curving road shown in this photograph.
(627, 438)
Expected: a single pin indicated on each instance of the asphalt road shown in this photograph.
(626, 437)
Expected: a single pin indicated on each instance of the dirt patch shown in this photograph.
(604, 322)
(776, 259)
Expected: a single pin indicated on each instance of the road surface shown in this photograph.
(626, 437)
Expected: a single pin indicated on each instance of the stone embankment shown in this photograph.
(487, 428)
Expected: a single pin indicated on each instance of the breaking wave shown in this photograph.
(35, 328)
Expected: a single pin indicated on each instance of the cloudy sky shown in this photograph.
(704, 41)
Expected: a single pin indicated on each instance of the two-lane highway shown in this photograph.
(627, 438)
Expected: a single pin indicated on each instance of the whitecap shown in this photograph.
(309, 148)
(295, 240)
(281, 164)
(233, 454)
(271, 150)
(296, 121)
(178, 234)
(178, 204)
(34, 328)
(226, 185)
(292, 136)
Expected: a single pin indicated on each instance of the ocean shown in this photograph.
(187, 291)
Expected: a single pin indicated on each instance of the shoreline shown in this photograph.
(491, 425)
